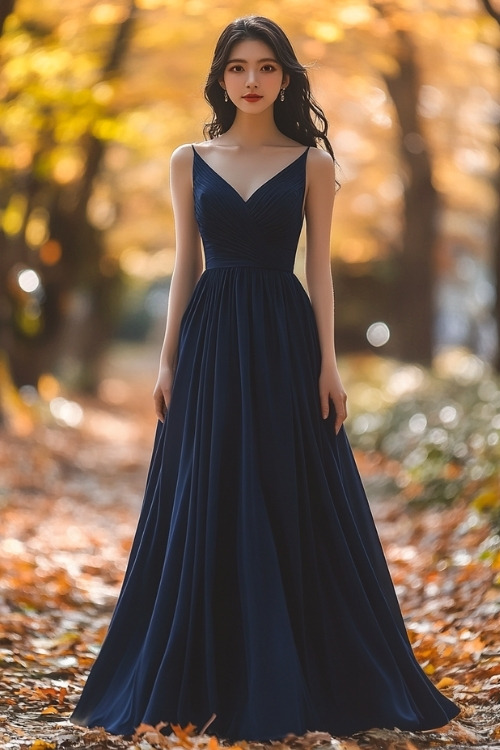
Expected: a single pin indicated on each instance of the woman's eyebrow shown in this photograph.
(240, 60)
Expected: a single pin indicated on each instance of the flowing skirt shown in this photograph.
(256, 589)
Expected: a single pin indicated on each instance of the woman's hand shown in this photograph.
(162, 391)
(330, 387)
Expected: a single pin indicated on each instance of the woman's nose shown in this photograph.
(251, 78)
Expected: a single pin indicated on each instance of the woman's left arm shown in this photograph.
(318, 210)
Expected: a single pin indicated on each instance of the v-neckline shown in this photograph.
(257, 190)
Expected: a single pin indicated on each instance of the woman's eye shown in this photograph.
(236, 68)
(268, 68)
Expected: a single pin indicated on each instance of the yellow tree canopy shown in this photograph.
(53, 94)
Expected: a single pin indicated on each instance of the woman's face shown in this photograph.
(252, 76)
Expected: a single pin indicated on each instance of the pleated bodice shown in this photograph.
(262, 231)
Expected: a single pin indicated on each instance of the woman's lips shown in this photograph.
(252, 97)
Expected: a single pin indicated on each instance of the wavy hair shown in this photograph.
(299, 116)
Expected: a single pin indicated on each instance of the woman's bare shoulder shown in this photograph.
(320, 159)
(320, 165)
(182, 154)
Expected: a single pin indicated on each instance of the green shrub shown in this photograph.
(440, 429)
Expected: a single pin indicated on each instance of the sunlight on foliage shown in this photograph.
(441, 430)
(94, 97)
(53, 90)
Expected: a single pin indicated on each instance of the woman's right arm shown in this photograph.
(187, 270)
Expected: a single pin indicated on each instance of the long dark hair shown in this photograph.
(299, 116)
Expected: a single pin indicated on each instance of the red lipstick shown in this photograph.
(252, 97)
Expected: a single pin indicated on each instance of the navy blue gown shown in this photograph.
(256, 589)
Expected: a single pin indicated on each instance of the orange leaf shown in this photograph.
(146, 729)
(42, 745)
(184, 734)
(445, 682)
(142, 728)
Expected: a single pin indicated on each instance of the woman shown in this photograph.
(257, 593)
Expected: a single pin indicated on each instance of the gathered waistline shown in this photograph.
(224, 266)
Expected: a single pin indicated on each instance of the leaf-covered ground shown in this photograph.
(69, 499)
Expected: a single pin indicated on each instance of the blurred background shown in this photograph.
(95, 95)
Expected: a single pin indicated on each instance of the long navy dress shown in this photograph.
(257, 589)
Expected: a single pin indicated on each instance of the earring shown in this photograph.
(226, 98)
(282, 95)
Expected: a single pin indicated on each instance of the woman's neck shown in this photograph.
(252, 131)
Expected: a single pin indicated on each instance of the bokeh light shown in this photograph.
(66, 412)
(28, 280)
(378, 334)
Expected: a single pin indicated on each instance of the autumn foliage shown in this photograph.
(94, 96)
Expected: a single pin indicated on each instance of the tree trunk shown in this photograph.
(495, 14)
(79, 300)
(85, 335)
(415, 295)
(6, 9)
